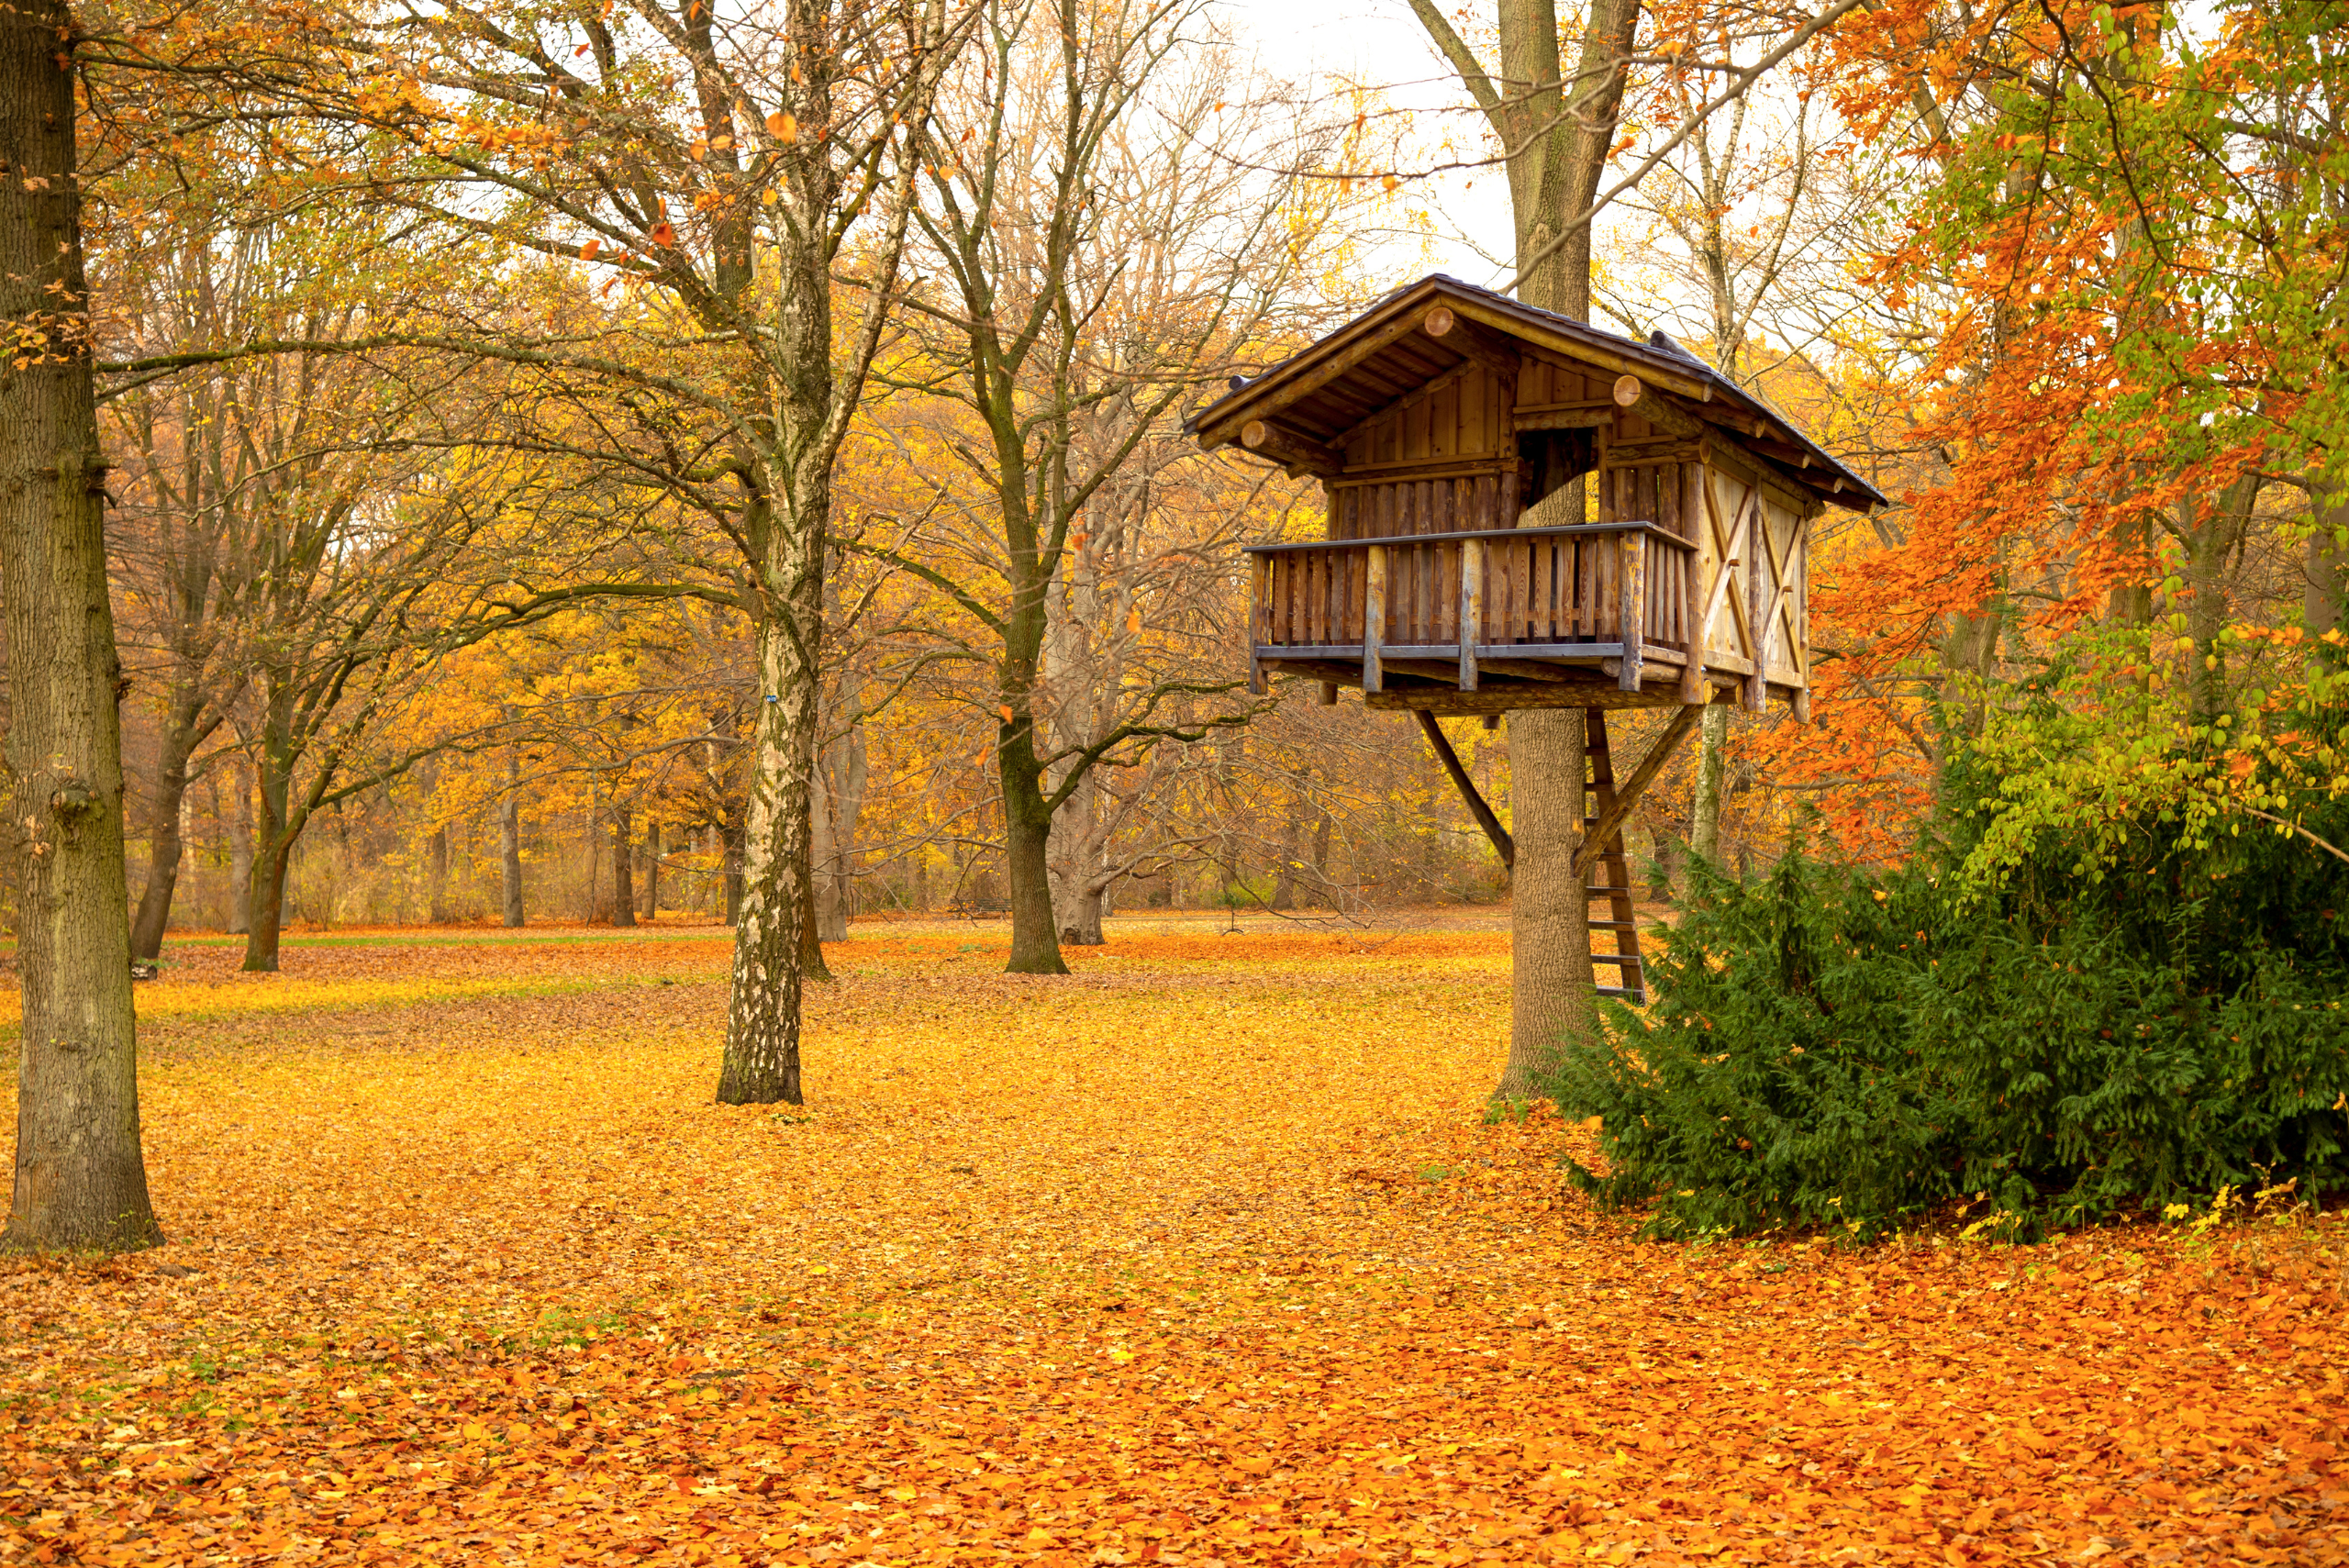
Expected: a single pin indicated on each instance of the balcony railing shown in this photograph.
(1578, 594)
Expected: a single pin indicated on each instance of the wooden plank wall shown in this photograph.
(1449, 457)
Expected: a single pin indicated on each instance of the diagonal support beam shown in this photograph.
(1482, 813)
(1628, 791)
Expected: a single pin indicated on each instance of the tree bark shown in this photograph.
(165, 848)
(1562, 137)
(1028, 838)
(761, 1060)
(240, 851)
(81, 1181)
(729, 839)
(509, 855)
(437, 876)
(623, 867)
(649, 900)
(1705, 811)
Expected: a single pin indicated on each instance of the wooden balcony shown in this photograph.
(1592, 614)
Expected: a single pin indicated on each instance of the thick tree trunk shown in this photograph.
(1553, 182)
(437, 876)
(265, 898)
(1081, 914)
(1713, 758)
(80, 1179)
(240, 851)
(623, 866)
(1552, 998)
(1028, 838)
(164, 847)
(648, 896)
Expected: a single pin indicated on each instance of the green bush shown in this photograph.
(1831, 1046)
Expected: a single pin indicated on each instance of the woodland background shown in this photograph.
(438, 608)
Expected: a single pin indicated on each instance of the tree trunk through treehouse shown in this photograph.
(1712, 761)
(623, 866)
(80, 1180)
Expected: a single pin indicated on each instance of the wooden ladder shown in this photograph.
(1616, 872)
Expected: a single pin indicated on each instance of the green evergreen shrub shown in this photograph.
(1833, 1047)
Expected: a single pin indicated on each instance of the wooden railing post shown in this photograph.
(1373, 620)
(1260, 620)
(1634, 574)
(1472, 608)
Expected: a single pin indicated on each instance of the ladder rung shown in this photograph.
(1635, 992)
(1624, 959)
(1614, 925)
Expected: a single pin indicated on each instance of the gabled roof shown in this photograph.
(1329, 386)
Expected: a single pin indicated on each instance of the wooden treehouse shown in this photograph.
(1438, 422)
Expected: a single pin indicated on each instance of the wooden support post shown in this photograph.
(1374, 618)
(1472, 608)
(1329, 693)
(1502, 843)
(1634, 547)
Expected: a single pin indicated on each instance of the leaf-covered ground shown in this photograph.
(1204, 1255)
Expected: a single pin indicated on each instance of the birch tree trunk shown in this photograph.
(80, 1179)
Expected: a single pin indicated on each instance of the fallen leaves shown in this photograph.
(1205, 1255)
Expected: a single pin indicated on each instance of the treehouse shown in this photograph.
(1438, 423)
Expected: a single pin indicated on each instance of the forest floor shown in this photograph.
(1204, 1255)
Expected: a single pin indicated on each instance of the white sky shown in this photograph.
(1380, 44)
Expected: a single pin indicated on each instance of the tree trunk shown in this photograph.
(1028, 839)
(1553, 182)
(436, 875)
(1705, 811)
(649, 900)
(509, 857)
(1552, 996)
(762, 1061)
(79, 1178)
(730, 840)
(1081, 914)
(165, 847)
(623, 867)
(240, 850)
